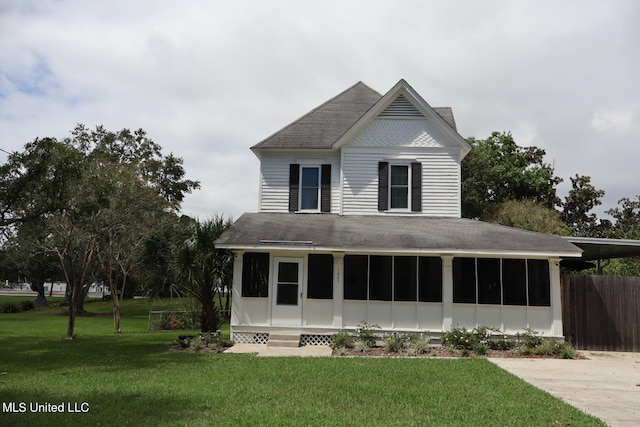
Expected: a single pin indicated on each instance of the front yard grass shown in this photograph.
(134, 379)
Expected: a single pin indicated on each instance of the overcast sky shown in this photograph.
(208, 79)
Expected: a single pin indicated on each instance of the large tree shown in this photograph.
(130, 217)
(577, 209)
(498, 170)
(28, 253)
(77, 187)
(627, 218)
(37, 181)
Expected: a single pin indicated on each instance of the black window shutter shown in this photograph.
(383, 186)
(416, 187)
(325, 188)
(294, 186)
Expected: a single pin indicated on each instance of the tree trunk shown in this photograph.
(38, 287)
(209, 321)
(72, 317)
(79, 303)
(116, 315)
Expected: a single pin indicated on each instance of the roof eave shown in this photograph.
(309, 247)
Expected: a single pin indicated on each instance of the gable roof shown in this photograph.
(325, 125)
(322, 126)
(408, 234)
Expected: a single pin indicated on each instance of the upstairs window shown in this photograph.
(400, 187)
(310, 188)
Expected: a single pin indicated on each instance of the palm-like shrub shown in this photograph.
(201, 270)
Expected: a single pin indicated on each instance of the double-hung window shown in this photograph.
(399, 187)
(310, 188)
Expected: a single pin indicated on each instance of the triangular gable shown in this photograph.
(402, 101)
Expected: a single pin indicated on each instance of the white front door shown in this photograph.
(287, 294)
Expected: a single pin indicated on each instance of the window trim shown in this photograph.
(414, 178)
(408, 186)
(318, 168)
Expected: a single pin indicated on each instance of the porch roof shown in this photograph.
(382, 233)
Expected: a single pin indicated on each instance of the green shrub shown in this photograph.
(484, 333)
(481, 349)
(16, 307)
(419, 342)
(501, 342)
(459, 339)
(566, 351)
(27, 305)
(531, 338)
(361, 346)
(367, 332)
(395, 342)
(341, 340)
(533, 344)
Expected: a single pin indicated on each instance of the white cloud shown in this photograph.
(207, 80)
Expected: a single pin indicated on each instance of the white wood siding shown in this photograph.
(274, 178)
(440, 178)
(402, 133)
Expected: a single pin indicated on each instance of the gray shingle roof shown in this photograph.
(324, 125)
(388, 233)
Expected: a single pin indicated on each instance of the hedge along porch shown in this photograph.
(404, 274)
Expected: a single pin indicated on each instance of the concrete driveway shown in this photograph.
(607, 385)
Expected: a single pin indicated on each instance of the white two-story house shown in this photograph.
(360, 220)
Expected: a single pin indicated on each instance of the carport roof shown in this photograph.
(382, 233)
(597, 248)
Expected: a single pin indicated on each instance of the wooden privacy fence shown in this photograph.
(601, 312)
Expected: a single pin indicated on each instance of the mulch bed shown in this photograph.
(444, 352)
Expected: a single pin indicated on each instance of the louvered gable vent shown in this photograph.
(401, 107)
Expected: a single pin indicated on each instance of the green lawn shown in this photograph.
(134, 379)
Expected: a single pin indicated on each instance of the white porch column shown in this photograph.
(556, 298)
(447, 292)
(236, 290)
(338, 288)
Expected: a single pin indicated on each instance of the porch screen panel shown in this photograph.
(489, 285)
(255, 274)
(539, 282)
(514, 281)
(380, 278)
(356, 270)
(464, 280)
(430, 279)
(405, 278)
(320, 276)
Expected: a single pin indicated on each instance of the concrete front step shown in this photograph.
(283, 340)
